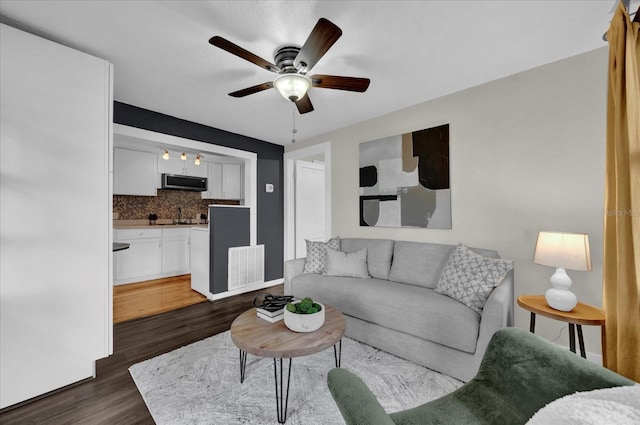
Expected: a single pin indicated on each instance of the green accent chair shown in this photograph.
(520, 373)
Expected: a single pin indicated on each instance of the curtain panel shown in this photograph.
(621, 262)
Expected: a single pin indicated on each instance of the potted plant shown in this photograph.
(304, 315)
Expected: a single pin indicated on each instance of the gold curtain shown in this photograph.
(621, 263)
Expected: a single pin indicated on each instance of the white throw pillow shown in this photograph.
(317, 255)
(469, 278)
(351, 264)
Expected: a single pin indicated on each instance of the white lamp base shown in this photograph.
(560, 297)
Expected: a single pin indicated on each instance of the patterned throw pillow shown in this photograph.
(317, 255)
(469, 277)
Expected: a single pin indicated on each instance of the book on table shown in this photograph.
(270, 311)
(272, 319)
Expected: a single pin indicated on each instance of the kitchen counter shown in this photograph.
(144, 224)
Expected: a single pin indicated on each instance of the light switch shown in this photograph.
(268, 188)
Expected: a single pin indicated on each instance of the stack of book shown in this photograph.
(271, 314)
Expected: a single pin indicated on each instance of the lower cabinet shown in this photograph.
(175, 251)
(152, 254)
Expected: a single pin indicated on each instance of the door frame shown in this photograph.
(289, 192)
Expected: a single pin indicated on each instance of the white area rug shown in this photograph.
(200, 384)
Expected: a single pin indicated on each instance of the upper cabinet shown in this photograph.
(175, 165)
(225, 181)
(134, 173)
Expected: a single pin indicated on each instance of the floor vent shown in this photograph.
(246, 266)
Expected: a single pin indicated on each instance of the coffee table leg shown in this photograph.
(337, 353)
(282, 400)
(243, 364)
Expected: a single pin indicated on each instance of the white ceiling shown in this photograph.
(412, 51)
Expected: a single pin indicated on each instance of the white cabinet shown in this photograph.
(175, 251)
(142, 259)
(175, 165)
(231, 181)
(225, 181)
(134, 173)
(153, 254)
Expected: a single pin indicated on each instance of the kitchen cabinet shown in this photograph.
(225, 181)
(175, 165)
(142, 259)
(175, 251)
(153, 253)
(231, 181)
(134, 173)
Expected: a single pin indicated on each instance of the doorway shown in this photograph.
(307, 198)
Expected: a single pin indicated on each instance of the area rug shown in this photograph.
(200, 384)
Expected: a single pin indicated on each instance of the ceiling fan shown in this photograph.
(292, 63)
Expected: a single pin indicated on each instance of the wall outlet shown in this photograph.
(268, 188)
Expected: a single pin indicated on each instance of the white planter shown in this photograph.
(304, 322)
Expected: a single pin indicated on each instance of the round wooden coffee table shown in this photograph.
(274, 340)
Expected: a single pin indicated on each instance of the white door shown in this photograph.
(310, 217)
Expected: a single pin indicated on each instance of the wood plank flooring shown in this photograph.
(152, 297)
(112, 397)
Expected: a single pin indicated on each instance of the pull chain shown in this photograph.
(293, 130)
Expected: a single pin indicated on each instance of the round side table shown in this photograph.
(582, 314)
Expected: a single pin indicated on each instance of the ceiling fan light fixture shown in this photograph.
(292, 86)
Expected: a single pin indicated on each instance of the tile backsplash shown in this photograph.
(165, 205)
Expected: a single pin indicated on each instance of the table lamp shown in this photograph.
(563, 251)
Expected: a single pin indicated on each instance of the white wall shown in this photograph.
(55, 215)
(527, 154)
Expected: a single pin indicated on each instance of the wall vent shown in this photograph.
(246, 266)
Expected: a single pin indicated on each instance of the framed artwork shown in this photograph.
(404, 180)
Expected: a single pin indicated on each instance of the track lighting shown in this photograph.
(165, 155)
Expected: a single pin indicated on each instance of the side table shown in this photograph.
(582, 314)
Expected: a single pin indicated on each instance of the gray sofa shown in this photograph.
(397, 309)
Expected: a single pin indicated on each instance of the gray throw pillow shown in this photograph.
(317, 255)
(347, 264)
(469, 277)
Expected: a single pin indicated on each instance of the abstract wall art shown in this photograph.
(404, 180)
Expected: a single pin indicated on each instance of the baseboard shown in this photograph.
(249, 288)
(592, 357)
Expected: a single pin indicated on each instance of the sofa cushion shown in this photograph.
(317, 255)
(352, 264)
(418, 263)
(379, 254)
(410, 309)
(469, 277)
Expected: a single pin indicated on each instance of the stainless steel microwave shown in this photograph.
(181, 182)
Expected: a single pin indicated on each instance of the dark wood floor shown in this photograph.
(112, 397)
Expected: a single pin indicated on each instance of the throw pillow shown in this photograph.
(469, 278)
(347, 264)
(317, 255)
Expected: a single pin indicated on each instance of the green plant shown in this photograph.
(305, 306)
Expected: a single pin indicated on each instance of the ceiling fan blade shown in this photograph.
(304, 105)
(340, 83)
(252, 90)
(322, 37)
(234, 49)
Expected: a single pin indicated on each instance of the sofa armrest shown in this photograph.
(356, 402)
(497, 312)
(292, 268)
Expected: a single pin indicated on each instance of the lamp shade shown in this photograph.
(292, 86)
(565, 250)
